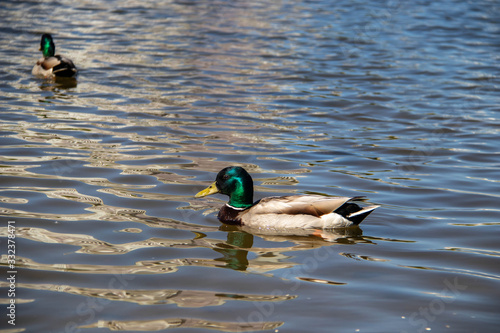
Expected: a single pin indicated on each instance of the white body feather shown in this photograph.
(299, 211)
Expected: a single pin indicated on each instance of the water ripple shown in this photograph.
(394, 100)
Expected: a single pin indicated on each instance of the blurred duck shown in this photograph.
(52, 64)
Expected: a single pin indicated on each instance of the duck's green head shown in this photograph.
(235, 182)
(47, 46)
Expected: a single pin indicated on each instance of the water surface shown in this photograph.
(395, 101)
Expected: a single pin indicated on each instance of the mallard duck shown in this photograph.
(51, 63)
(292, 211)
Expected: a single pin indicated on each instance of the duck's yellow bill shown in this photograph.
(212, 189)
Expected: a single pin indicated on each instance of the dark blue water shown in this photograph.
(395, 101)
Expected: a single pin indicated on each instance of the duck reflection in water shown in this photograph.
(236, 257)
(240, 241)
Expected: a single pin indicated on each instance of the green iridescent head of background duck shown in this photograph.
(47, 46)
(235, 182)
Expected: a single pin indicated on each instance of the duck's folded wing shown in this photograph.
(49, 62)
(315, 205)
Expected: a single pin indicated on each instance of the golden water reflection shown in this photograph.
(182, 298)
(170, 323)
(234, 250)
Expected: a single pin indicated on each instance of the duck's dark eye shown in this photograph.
(225, 177)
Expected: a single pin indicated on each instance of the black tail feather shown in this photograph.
(354, 212)
(359, 216)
